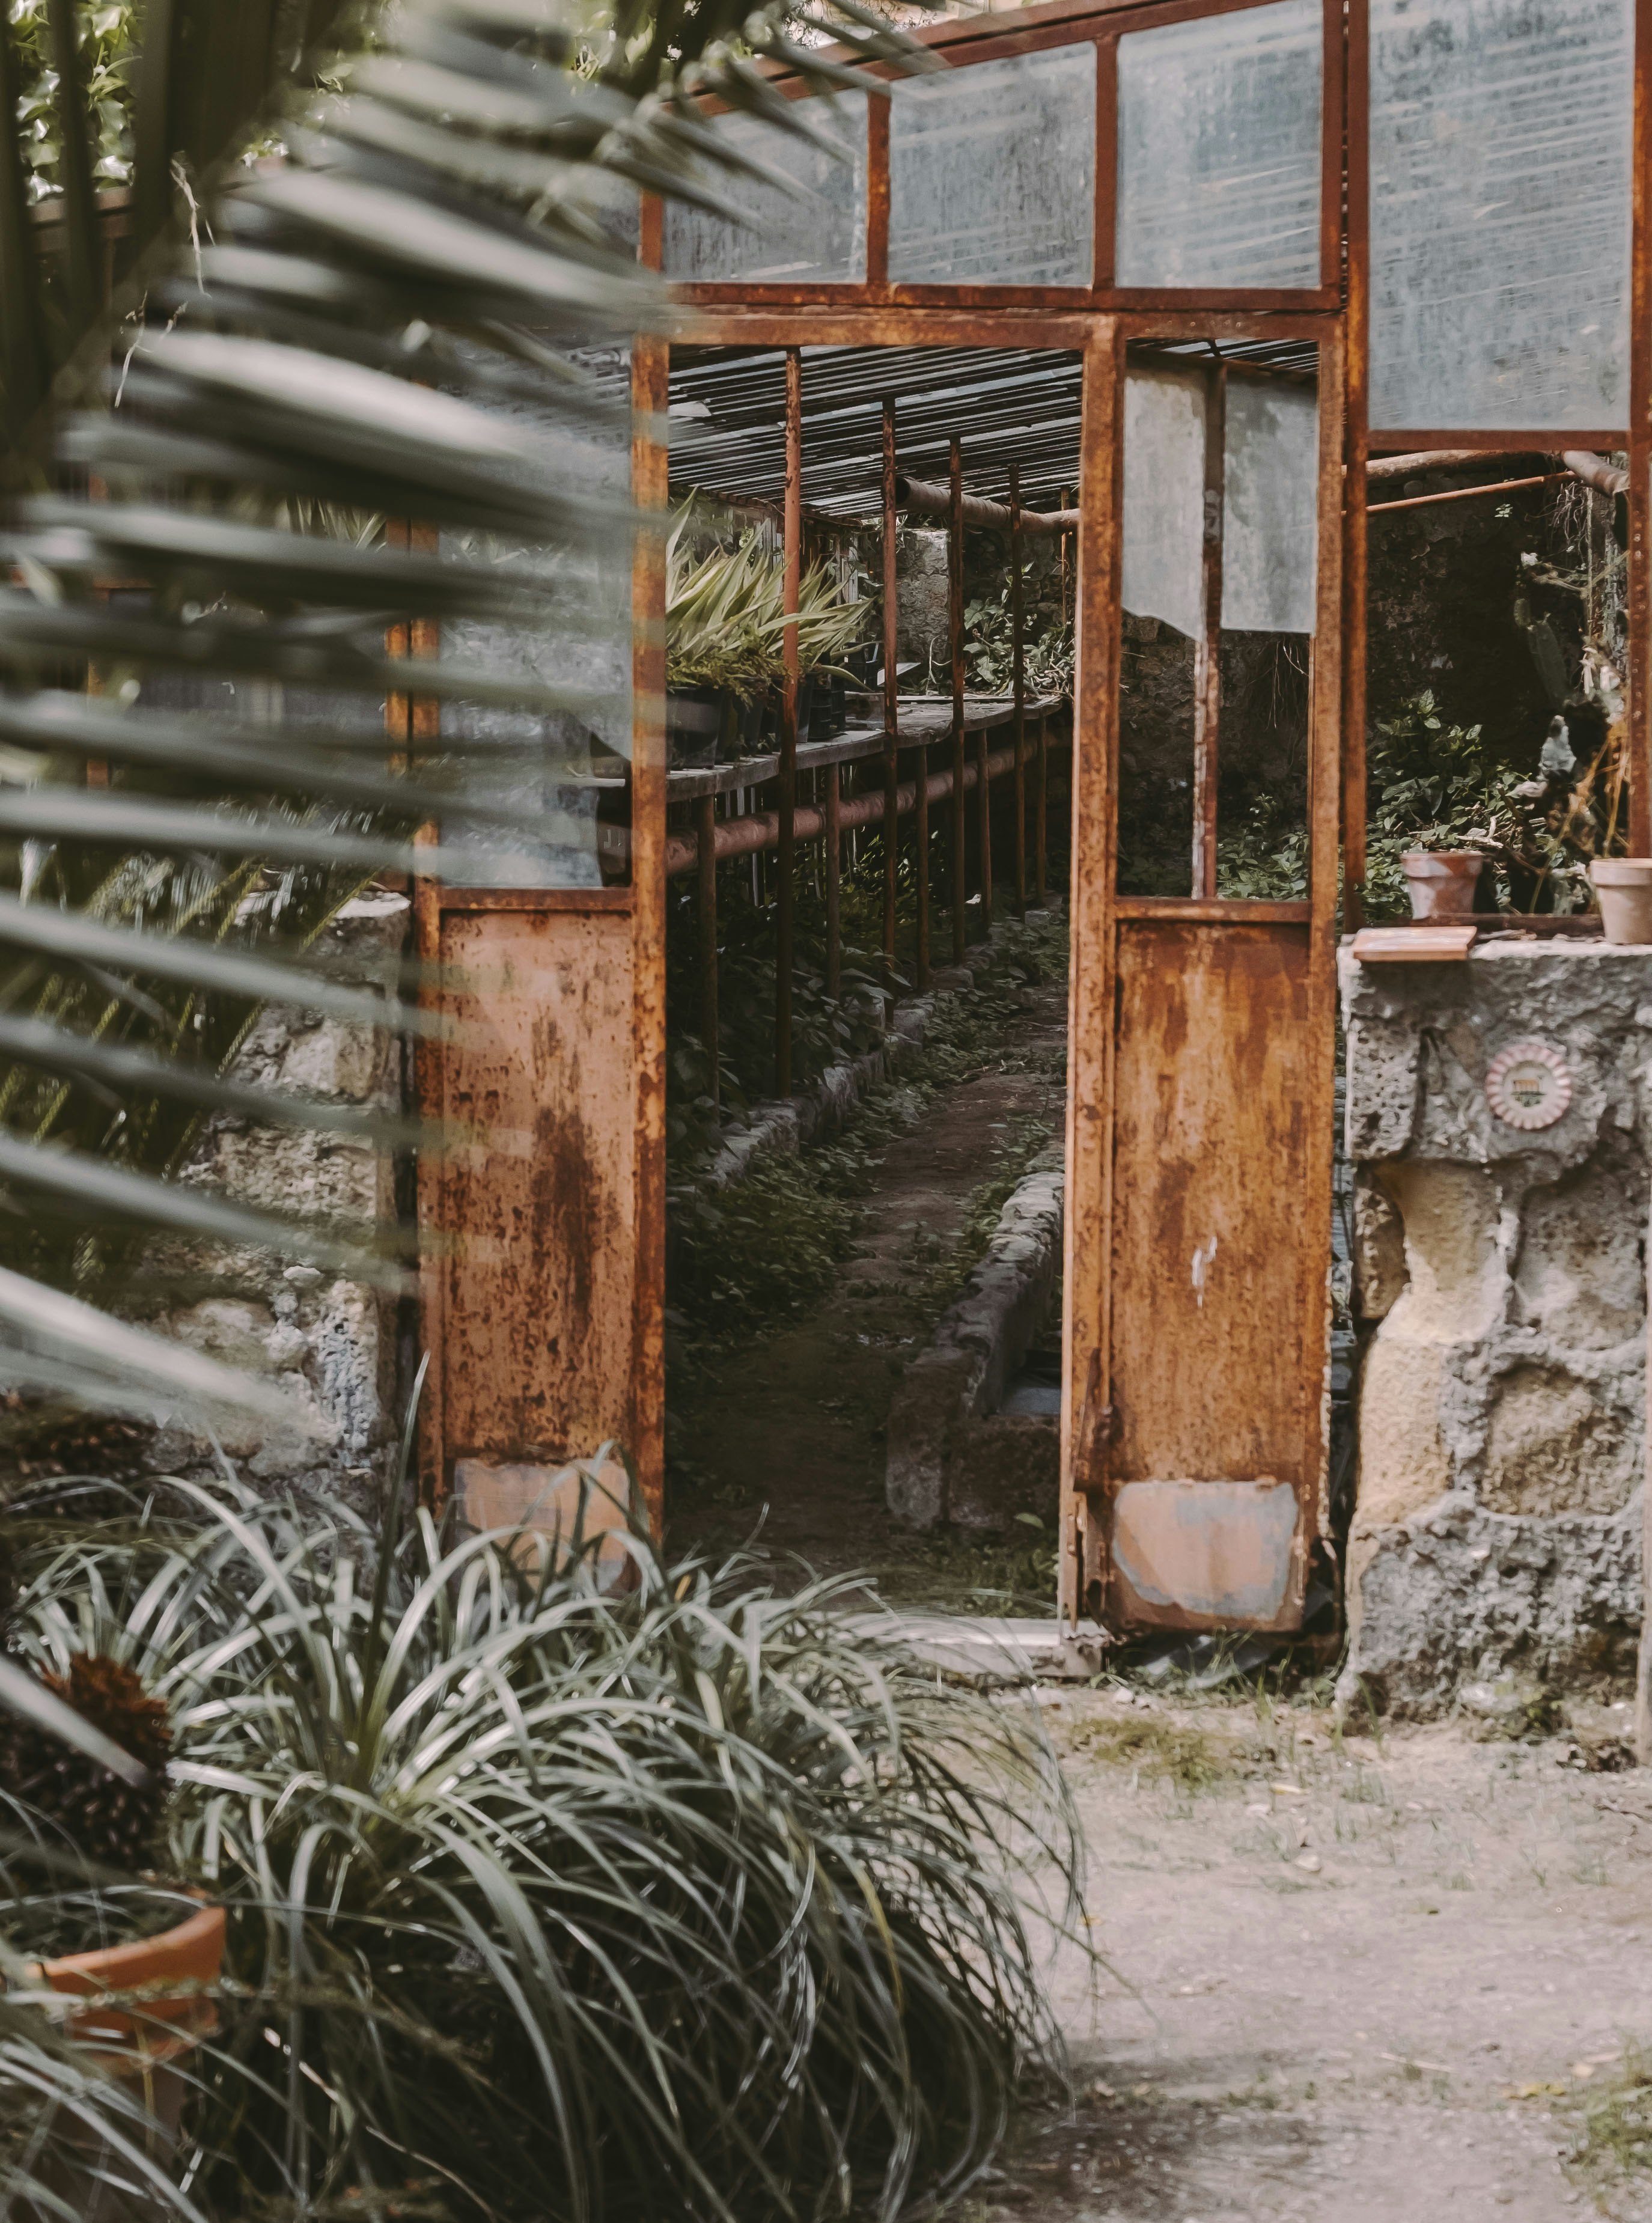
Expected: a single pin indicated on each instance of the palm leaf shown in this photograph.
(323, 338)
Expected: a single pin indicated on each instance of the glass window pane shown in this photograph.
(1270, 505)
(817, 236)
(1500, 168)
(1219, 150)
(992, 173)
(1164, 498)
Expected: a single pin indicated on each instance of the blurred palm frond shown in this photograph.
(345, 295)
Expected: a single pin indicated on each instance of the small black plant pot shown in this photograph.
(695, 717)
(753, 717)
(861, 662)
(821, 707)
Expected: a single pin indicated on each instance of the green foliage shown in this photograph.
(344, 333)
(725, 615)
(1047, 638)
(1433, 786)
(1612, 2141)
(670, 1898)
(746, 1259)
(108, 71)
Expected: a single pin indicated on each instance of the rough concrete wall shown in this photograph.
(922, 629)
(952, 1455)
(1502, 1402)
(330, 1339)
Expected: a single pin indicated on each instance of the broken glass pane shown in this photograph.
(1219, 150)
(817, 236)
(1164, 497)
(1500, 170)
(992, 173)
(1270, 505)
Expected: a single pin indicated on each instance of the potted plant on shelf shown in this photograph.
(722, 654)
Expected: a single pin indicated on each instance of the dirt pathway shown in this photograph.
(791, 1434)
(1376, 1984)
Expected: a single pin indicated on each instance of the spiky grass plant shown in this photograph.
(674, 1897)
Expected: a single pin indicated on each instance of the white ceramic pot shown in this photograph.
(1624, 887)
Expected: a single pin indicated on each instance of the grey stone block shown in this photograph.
(1503, 1397)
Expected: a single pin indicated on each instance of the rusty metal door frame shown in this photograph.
(1099, 914)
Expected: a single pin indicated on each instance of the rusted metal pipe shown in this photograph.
(1437, 459)
(1464, 493)
(891, 694)
(1018, 672)
(789, 721)
(925, 499)
(834, 880)
(1595, 471)
(955, 638)
(705, 820)
(746, 837)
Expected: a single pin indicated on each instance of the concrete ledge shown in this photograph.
(994, 1650)
(951, 1454)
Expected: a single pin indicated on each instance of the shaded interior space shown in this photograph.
(1497, 672)
(887, 988)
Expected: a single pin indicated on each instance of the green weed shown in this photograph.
(1612, 2139)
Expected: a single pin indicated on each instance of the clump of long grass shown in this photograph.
(554, 1897)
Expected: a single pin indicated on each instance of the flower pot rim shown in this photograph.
(187, 1948)
(1444, 859)
(190, 1952)
(1620, 872)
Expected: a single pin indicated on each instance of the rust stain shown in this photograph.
(541, 1280)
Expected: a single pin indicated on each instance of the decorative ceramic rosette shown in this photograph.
(1529, 1085)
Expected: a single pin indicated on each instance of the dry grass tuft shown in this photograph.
(1162, 1751)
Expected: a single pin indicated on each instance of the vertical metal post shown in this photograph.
(955, 632)
(783, 861)
(833, 878)
(1207, 657)
(1041, 830)
(705, 815)
(650, 398)
(891, 701)
(1067, 550)
(1019, 682)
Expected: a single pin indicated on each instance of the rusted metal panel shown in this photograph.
(539, 1275)
(582, 1503)
(1217, 1317)
(1219, 1552)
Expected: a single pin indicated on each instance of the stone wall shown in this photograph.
(330, 1339)
(1501, 1275)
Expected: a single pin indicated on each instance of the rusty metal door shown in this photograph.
(1202, 1077)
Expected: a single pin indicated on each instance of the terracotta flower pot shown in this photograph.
(143, 2041)
(1624, 887)
(1441, 882)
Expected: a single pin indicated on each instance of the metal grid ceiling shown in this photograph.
(1007, 405)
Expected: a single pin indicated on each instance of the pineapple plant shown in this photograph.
(114, 1823)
